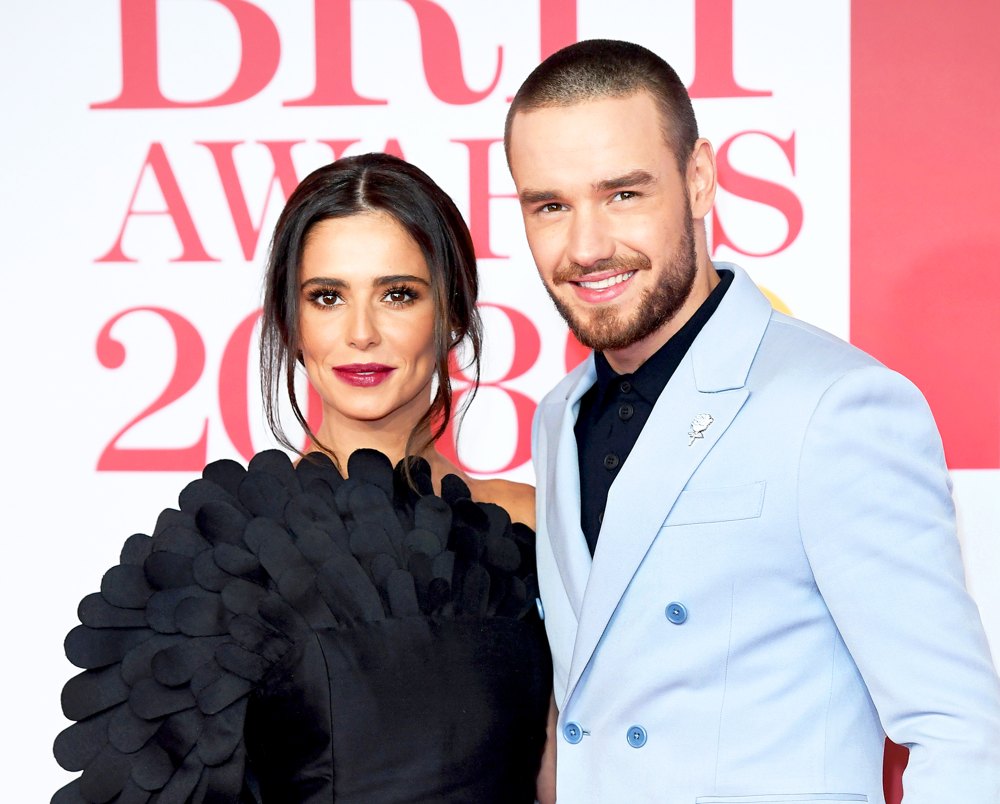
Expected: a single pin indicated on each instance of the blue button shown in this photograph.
(573, 733)
(540, 607)
(676, 613)
(636, 736)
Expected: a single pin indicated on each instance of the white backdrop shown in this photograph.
(105, 210)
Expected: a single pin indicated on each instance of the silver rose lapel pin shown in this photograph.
(699, 425)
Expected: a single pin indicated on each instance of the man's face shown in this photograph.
(607, 216)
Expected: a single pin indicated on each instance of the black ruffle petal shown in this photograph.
(199, 492)
(128, 732)
(169, 570)
(264, 495)
(433, 514)
(150, 699)
(96, 612)
(125, 586)
(371, 467)
(91, 648)
(453, 489)
(93, 691)
(221, 522)
(104, 778)
(78, 745)
(70, 794)
(273, 463)
(136, 548)
(226, 474)
(151, 767)
(177, 664)
(138, 662)
(222, 734)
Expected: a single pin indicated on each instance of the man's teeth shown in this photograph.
(611, 281)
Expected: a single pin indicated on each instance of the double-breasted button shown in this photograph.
(611, 461)
(676, 613)
(636, 736)
(573, 733)
(625, 386)
(625, 411)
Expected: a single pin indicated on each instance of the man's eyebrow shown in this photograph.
(636, 178)
(537, 196)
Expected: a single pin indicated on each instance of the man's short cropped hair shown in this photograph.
(608, 68)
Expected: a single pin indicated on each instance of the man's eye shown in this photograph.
(549, 208)
(625, 195)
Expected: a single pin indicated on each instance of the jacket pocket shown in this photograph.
(783, 798)
(694, 506)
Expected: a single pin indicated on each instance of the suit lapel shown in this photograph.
(710, 380)
(562, 515)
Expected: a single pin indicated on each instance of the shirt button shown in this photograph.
(625, 412)
(636, 736)
(676, 613)
(611, 461)
(625, 386)
(573, 733)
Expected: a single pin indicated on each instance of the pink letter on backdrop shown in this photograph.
(284, 173)
(760, 190)
(480, 196)
(557, 25)
(334, 63)
(713, 53)
(443, 56)
(176, 209)
(261, 52)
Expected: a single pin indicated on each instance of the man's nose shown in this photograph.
(590, 239)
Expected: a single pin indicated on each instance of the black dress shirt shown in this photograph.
(615, 409)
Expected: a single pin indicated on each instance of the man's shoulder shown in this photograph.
(805, 346)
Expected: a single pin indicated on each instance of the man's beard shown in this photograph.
(609, 328)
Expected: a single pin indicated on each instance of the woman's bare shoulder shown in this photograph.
(517, 499)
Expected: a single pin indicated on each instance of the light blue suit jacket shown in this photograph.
(769, 600)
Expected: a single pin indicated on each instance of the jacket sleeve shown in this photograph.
(878, 526)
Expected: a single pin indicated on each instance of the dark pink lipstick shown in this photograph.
(363, 375)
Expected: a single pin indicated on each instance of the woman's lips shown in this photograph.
(363, 375)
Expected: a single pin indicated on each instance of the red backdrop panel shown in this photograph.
(925, 201)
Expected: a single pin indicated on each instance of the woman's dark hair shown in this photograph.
(355, 185)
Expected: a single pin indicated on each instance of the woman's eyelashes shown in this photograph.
(324, 297)
(395, 296)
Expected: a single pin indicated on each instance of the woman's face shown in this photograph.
(366, 321)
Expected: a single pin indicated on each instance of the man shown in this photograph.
(746, 540)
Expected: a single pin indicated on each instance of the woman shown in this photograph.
(338, 630)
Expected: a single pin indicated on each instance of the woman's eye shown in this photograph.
(327, 299)
(400, 296)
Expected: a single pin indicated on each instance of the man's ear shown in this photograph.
(701, 179)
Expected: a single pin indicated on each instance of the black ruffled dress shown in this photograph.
(291, 636)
